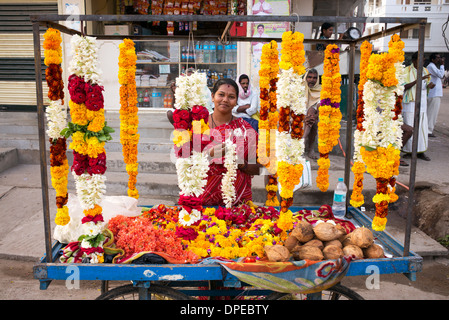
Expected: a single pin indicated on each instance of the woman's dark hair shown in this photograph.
(243, 76)
(325, 26)
(415, 56)
(225, 81)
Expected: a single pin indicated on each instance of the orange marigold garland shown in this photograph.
(292, 103)
(129, 119)
(329, 113)
(268, 117)
(382, 139)
(57, 121)
(359, 167)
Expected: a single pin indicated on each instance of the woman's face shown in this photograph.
(328, 32)
(225, 98)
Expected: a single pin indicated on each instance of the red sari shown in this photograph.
(246, 145)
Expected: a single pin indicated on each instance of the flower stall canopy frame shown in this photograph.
(401, 24)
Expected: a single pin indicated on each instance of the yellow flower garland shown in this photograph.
(268, 117)
(329, 113)
(359, 168)
(59, 173)
(128, 112)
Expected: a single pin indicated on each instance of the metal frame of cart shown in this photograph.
(403, 260)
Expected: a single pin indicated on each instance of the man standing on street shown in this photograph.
(436, 70)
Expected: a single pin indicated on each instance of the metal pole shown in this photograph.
(349, 117)
(42, 147)
(422, 29)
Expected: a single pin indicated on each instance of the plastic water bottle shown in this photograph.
(206, 52)
(234, 51)
(199, 52)
(219, 53)
(339, 204)
(213, 52)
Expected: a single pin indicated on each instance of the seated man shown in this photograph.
(313, 89)
(248, 102)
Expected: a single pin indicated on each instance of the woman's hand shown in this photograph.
(217, 151)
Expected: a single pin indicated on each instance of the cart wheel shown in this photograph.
(155, 292)
(337, 292)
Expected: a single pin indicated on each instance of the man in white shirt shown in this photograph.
(247, 103)
(436, 70)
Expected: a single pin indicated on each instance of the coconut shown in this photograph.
(303, 231)
(309, 253)
(352, 250)
(327, 231)
(316, 243)
(277, 253)
(362, 237)
(374, 251)
(290, 242)
(333, 243)
(332, 252)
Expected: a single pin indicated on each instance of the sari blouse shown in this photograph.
(246, 149)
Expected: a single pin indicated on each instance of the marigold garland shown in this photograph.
(329, 113)
(292, 103)
(381, 144)
(359, 167)
(57, 120)
(268, 122)
(128, 112)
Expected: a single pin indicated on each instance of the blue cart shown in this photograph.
(182, 281)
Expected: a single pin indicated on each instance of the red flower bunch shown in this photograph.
(190, 202)
(186, 233)
(182, 119)
(58, 149)
(94, 97)
(244, 216)
(83, 163)
(200, 112)
(76, 89)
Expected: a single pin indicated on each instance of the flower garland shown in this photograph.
(57, 120)
(190, 137)
(329, 113)
(292, 101)
(89, 134)
(269, 115)
(128, 112)
(359, 167)
(382, 138)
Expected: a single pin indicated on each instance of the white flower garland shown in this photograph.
(192, 173)
(56, 114)
(190, 91)
(90, 189)
(230, 163)
(84, 61)
(290, 93)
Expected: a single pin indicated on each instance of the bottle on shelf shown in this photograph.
(206, 52)
(213, 52)
(183, 54)
(219, 53)
(234, 51)
(169, 101)
(140, 99)
(156, 98)
(227, 52)
(199, 52)
(165, 101)
(339, 202)
(146, 99)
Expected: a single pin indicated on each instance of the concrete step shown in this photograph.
(8, 158)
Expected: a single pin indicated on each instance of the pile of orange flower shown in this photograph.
(57, 121)
(129, 119)
(359, 167)
(268, 117)
(329, 113)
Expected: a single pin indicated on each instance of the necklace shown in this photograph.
(215, 125)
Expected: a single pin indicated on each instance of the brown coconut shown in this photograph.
(316, 243)
(374, 251)
(352, 250)
(303, 231)
(333, 243)
(327, 231)
(362, 237)
(332, 252)
(346, 240)
(277, 253)
(309, 253)
(290, 242)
